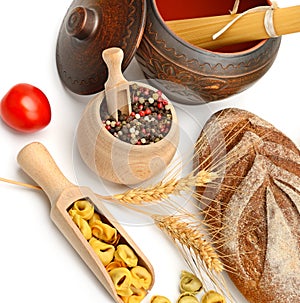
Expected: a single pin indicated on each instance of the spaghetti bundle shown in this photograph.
(256, 24)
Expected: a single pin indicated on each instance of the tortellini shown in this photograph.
(137, 296)
(213, 297)
(104, 232)
(189, 283)
(122, 278)
(115, 264)
(104, 251)
(159, 299)
(141, 278)
(83, 226)
(131, 280)
(83, 208)
(126, 254)
(187, 298)
(94, 218)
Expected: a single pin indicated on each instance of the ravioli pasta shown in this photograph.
(131, 280)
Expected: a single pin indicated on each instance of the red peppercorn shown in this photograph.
(165, 102)
(159, 116)
(148, 111)
(108, 127)
(159, 105)
(132, 114)
(142, 113)
(141, 106)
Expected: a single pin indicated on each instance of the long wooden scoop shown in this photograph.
(117, 90)
(250, 27)
(36, 161)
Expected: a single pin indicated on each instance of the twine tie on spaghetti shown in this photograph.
(268, 19)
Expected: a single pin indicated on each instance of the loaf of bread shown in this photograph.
(253, 211)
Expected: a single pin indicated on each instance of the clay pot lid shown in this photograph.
(88, 28)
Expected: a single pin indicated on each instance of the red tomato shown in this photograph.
(25, 108)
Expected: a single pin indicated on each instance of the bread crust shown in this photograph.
(254, 214)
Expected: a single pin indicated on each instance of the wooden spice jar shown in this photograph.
(115, 160)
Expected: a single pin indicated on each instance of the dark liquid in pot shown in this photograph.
(185, 9)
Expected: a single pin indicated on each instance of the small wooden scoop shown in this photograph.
(36, 161)
(117, 90)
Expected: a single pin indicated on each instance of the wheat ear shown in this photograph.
(190, 237)
(185, 231)
(164, 189)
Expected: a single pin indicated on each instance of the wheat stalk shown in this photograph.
(19, 183)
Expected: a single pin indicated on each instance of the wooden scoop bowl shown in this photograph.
(36, 161)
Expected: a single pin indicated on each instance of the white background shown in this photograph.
(36, 262)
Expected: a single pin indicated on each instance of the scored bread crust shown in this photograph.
(254, 212)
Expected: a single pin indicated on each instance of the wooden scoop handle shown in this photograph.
(113, 57)
(37, 162)
(116, 87)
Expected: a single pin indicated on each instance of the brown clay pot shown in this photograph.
(189, 74)
(185, 73)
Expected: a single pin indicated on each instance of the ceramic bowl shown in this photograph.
(192, 75)
(115, 160)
